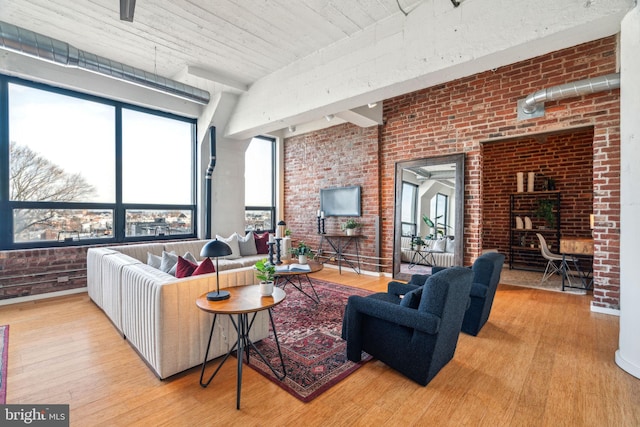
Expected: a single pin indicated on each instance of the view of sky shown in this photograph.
(79, 136)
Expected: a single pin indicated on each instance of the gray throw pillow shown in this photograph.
(169, 261)
(412, 299)
(247, 244)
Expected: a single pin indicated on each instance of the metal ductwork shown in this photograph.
(36, 45)
(533, 105)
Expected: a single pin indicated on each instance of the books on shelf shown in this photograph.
(292, 267)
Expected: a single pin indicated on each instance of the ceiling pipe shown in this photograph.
(45, 48)
(533, 105)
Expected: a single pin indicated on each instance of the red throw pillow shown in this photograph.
(261, 242)
(185, 268)
(205, 267)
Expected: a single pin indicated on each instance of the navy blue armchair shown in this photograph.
(486, 276)
(416, 335)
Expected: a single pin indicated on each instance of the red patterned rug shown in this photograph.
(4, 352)
(310, 338)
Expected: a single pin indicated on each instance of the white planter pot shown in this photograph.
(351, 231)
(302, 259)
(266, 288)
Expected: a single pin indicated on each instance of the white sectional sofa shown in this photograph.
(442, 257)
(156, 312)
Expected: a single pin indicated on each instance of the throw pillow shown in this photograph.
(412, 299)
(247, 245)
(232, 241)
(189, 257)
(262, 240)
(169, 261)
(185, 268)
(450, 246)
(440, 245)
(154, 260)
(205, 267)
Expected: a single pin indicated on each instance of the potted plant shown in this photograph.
(265, 274)
(546, 212)
(302, 252)
(350, 226)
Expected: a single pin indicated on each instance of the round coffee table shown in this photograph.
(295, 277)
(243, 301)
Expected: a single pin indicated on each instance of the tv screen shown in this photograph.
(340, 201)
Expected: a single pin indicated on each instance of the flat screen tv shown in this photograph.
(340, 201)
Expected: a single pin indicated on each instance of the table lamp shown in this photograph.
(216, 249)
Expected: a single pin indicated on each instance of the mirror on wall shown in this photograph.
(429, 215)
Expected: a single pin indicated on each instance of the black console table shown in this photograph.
(340, 242)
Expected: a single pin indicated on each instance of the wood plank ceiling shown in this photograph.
(231, 40)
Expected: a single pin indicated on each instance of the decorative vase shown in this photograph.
(302, 259)
(351, 231)
(266, 288)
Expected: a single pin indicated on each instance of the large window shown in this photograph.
(409, 209)
(260, 184)
(76, 169)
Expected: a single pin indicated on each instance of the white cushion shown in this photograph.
(451, 246)
(247, 245)
(439, 245)
(232, 241)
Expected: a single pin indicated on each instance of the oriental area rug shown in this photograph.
(310, 339)
(4, 352)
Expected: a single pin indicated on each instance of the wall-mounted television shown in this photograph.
(340, 201)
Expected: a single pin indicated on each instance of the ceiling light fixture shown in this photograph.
(292, 128)
(329, 117)
(372, 104)
(126, 10)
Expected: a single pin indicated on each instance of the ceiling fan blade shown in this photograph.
(126, 10)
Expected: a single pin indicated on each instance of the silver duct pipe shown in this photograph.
(533, 105)
(36, 45)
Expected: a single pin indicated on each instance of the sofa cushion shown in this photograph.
(205, 267)
(169, 262)
(262, 240)
(412, 299)
(247, 244)
(450, 246)
(232, 241)
(440, 245)
(185, 268)
(154, 260)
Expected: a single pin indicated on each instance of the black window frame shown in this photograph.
(118, 208)
(271, 208)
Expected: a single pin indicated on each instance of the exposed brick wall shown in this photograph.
(462, 115)
(37, 271)
(339, 156)
(566, 157)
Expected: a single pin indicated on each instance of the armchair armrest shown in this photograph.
(399, 288)
(420, 320)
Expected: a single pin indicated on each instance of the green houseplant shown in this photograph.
(302, 252)
(350, 226)
(545, 211)
(265, 273)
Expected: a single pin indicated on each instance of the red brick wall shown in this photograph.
(343, 155)
(566, 157)
(459, 117)
(37, 271)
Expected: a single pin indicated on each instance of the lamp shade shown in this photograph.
(215, 248)
(282, 222)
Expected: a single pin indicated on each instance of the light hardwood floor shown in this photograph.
(542, 359)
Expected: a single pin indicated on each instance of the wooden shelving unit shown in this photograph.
(524, 246)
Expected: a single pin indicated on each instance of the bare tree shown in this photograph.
(34, 178)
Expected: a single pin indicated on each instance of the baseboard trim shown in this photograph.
(363, 272)
(626, 366)
(604, 310)
(48, 295)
